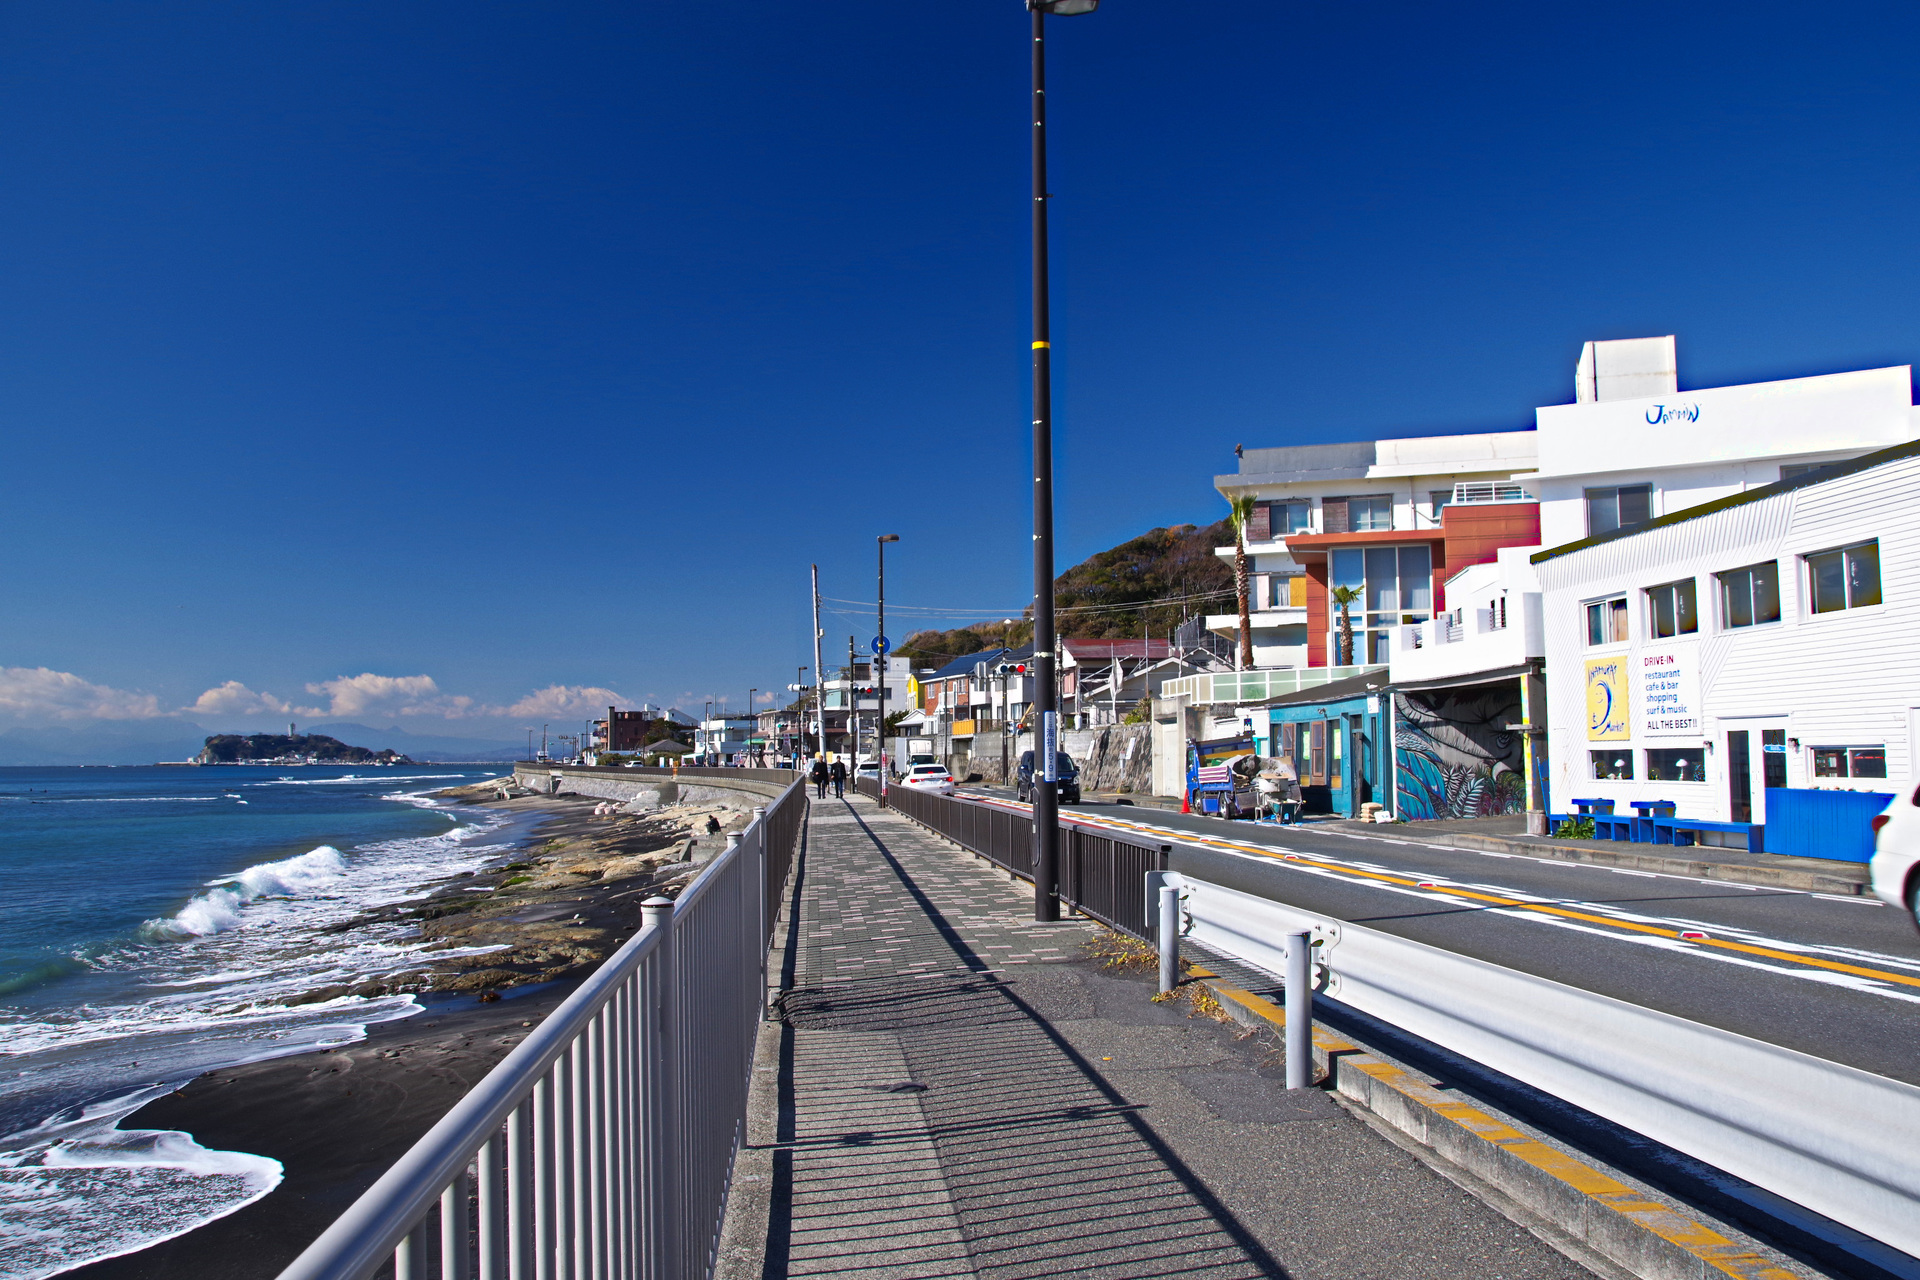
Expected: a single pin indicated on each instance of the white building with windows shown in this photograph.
(1762, 640)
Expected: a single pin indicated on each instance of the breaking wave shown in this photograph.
(218, 909)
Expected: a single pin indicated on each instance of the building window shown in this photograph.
(1794, 470)
(1440, 499)
(1612, 766)
(1280, 590)
(1849, 762)
(1670, 610)
(1607, 621)
(1619, 507)
(1396, 589)
(1284, 518)
(1675, 764)
(1845, 579)
(1750, 596)
(1369, 515)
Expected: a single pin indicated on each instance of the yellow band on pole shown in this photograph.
(1038, 345)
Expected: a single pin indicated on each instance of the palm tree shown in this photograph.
(1344, 597)
(1239, 512)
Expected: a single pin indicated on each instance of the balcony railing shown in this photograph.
(1257, 686)
(1480, 492)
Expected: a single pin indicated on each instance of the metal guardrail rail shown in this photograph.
(1840, 1141)
(601, 1147)
(1101, 876)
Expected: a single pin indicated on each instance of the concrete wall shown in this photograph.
(1113, 757)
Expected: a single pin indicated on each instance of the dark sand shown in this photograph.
(337, 1119)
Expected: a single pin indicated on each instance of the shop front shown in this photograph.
(1339, 741)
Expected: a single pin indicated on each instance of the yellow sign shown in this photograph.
(1607, 700)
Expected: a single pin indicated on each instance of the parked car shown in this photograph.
(1896, 851)
(1069, 783)
(867, 769)
(928, 777)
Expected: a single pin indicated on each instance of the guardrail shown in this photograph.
(1840, 1141)
(1101, 876)
(601, 1147)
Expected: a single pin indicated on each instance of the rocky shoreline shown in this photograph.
(552, 910)
(548, 912)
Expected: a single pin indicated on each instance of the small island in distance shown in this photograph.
(282, 748)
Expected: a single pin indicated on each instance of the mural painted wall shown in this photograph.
(1456, 757)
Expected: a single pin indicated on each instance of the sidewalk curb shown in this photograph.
(1646, 1237)
(1730, 872)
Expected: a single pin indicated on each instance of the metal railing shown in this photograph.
(601, 1147)
(1256, 686)
(1838, 1140)
(1101, 876)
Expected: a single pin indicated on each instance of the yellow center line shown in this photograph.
(1659, 931)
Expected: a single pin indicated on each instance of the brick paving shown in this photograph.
(960, 1093)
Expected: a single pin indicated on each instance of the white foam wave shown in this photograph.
(139, 1187)
(219, 909)
(130, 800)
(357, 778)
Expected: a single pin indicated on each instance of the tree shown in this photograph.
(1239, 512)
(1344, 597)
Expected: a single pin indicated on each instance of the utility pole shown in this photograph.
(880, 660)
(853, 707)
(753, 716)
(819, 672)
(1046, 797)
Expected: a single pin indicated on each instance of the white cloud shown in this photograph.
(39, 694)
(235, 699)
(560, 701)
(369, 694)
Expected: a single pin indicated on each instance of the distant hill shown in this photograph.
(1155, 581)
(231, 748)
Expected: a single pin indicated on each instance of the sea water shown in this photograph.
(154, 922)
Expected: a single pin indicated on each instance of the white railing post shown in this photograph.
(660, 1173)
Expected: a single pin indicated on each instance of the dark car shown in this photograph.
(1069, 784)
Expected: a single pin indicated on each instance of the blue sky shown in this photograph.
(533, 349)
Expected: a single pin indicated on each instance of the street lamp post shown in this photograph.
(753, 718)
(1046, 796)
(882, 648)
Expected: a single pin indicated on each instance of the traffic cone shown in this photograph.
(1186, 801)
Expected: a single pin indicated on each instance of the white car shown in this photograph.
(1896, 850)
(928, 777)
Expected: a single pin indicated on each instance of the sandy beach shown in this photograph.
(336, 1119)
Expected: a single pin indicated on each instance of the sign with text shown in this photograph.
(1607, 700)
(1669, 692)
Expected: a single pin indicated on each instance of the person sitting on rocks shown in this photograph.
(713, 825)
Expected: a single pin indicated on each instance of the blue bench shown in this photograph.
(1669, 830)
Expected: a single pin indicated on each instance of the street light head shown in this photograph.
(889, 537)
(1064, 8)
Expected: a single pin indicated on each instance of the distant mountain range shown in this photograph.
(173, 738)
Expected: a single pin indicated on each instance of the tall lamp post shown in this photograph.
(1046, 795)
(880, 650)
(753, 718)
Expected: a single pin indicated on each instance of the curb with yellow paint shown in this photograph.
(1622, 1224)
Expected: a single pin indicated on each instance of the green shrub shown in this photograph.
(1575, 829)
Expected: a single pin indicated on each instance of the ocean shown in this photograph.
(153, 922)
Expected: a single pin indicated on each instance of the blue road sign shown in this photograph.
(881, 644)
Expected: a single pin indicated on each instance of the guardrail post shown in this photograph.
(1299, 997)
(764, 935)
(1169, 938)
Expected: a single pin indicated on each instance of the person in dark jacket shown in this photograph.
(839, 780)
(819, 776)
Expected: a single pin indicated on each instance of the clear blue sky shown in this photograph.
(534, 345)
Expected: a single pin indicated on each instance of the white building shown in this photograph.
(1763, 640)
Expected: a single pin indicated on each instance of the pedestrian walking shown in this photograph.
(839, 774)
(819, 776)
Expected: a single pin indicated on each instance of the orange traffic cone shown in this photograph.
(1186, 801)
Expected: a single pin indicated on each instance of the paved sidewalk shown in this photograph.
(958, 1091)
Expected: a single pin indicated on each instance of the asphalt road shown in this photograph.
(1835, 977)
